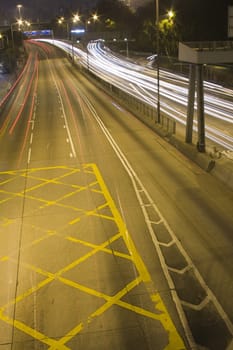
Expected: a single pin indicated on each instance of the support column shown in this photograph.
(191, 99)
(158, 61)
(200, 109)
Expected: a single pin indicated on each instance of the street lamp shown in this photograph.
(19, 6)
(170, 16)
(78, 18)
(158, 58)
(127, 47)
(19, 9)
(62, 21)
(95, 17)
(86, 21)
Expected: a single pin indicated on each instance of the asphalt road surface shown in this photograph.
(110, 239)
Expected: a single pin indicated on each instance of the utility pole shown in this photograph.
(158, 60)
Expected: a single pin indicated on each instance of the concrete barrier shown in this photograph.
(205, 162)
(221, 168)
(143, 111)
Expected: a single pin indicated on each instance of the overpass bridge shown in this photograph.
(198, 54)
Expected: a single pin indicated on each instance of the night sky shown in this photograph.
(203, 15)
(33, 9)
(40, 9)
(48, 7)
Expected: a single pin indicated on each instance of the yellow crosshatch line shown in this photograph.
(161, 313)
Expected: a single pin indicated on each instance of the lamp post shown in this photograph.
(19, 6)
(93, 18)
(78, 18)
(19, 9)
(170, 16)
(62, 21)
(127, 47)
(158, 59)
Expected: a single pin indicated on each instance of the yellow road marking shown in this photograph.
(175, 341)
(33, 333)
(123, 230)
(110, 301)
(27, 293)
(110, 251)
(160, 314)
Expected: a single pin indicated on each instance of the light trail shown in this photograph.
(25, 100)
(140, 82)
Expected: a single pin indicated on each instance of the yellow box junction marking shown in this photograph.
(161, 313)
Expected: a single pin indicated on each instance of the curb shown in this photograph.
(223, 171)
(190, 151)
(221, 168)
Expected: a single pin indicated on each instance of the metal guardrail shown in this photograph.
(143, 111)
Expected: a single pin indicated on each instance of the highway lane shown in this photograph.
(141, 82)
(12, 114)
(71, 274)
(211, 225)
(85, 224)
(173, 92)
(196, 208)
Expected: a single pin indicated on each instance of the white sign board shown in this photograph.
(230, 21)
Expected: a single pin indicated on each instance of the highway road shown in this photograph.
(141, 82)
(174, 88)
(110, 238)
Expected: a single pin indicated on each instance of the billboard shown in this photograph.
(230, 21)
(38, 33)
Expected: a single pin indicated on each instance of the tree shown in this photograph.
(202, 19)
(145, 31)
(115, 14)
(169, 35)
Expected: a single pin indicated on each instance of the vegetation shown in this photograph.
(115, 15)
(11, 56)
(140, 26)
(194, 20)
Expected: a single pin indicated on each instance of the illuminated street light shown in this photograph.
(127, 47)
(19, 6)
(95, 17)
(171, 14)
(63, 21)
(28, 24)
(78, 18)
(87, 21)
(20, 23)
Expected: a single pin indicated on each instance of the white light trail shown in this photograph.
(140, 82)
